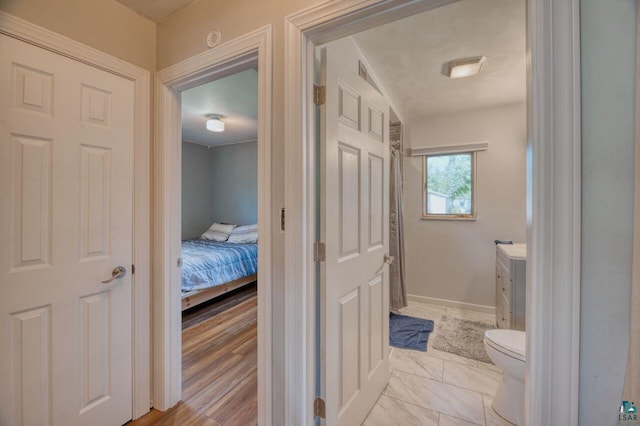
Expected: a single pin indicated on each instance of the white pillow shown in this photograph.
(244, 234)
(218, 232)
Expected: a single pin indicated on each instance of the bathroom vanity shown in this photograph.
(511, 285)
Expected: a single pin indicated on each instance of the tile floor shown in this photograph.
(435, 387)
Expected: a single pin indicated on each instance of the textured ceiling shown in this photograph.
(156, 10)
(407, 57)
(234, 97)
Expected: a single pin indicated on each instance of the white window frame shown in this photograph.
(436, 216)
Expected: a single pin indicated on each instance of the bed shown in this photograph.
(212, 268)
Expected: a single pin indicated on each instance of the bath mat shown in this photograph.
(462, 337)
(408, 332)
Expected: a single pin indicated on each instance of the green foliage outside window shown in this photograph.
(449, 184)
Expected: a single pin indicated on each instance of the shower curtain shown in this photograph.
(632, 378)
(397, 290)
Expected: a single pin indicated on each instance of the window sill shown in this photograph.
(466, 218)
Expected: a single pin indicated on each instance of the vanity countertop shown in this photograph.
(515, 251)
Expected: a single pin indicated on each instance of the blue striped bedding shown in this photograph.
(207, 263)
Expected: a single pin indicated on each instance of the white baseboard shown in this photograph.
(452, 303)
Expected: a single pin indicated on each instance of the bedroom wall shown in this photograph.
(219, 184)
(104, 25)
(455, 260)
(196, 190)
(234, 183)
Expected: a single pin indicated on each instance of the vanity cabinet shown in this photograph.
(511, 285)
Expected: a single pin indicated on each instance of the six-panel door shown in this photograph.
(355, 294)
(66, 155)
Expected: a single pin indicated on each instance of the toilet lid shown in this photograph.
(509, 342)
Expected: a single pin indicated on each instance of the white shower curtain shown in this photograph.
(632, 378)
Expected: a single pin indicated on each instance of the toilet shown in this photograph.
(506, 350)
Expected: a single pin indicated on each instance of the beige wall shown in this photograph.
(105, 25)
(455, 260)
(184, 34)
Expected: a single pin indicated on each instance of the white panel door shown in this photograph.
(354, 226)
(66, 155)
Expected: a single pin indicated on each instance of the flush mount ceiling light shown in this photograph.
(465, 67)
(214, 124)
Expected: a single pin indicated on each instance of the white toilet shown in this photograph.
(506, 350)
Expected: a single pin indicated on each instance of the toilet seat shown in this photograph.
(508, 342)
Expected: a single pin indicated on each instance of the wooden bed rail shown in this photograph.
(196, 297)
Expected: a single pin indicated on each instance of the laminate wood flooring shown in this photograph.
(219, 365)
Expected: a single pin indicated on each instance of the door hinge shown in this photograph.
(319, 252)
(179, 262)
(133, 269)
(319, 95)
(319, 408)
(282, 219)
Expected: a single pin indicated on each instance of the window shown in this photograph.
(449, 186)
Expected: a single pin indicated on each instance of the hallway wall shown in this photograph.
(608, 32)
(104, 25)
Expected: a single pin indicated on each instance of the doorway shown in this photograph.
(250, 51)
(315, 26)
(476, 194)
(219, 250)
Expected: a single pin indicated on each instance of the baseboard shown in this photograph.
(452, 303)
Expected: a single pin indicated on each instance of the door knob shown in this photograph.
(117, 273)
(388, 259)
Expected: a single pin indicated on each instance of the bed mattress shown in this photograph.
(207, 263)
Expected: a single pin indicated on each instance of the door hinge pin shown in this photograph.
(319, 95)
(133, 269)
(319, 252)
(319, 408)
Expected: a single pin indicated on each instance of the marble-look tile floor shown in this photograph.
(436, 387)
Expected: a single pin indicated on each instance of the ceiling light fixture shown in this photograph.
(465, 67)
(214, 124)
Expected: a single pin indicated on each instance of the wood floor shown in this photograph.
(219, 365)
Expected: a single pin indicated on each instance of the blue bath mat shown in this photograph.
(408, 332)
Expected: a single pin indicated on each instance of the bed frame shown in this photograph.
(196, 297)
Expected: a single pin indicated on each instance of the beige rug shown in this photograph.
(462, 337)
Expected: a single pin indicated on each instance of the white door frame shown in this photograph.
(41, 37)
(248, 50)
(553, 193)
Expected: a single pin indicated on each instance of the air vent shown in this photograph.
(364, 73)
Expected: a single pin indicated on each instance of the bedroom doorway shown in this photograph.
(212, 352)
(219, 249)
